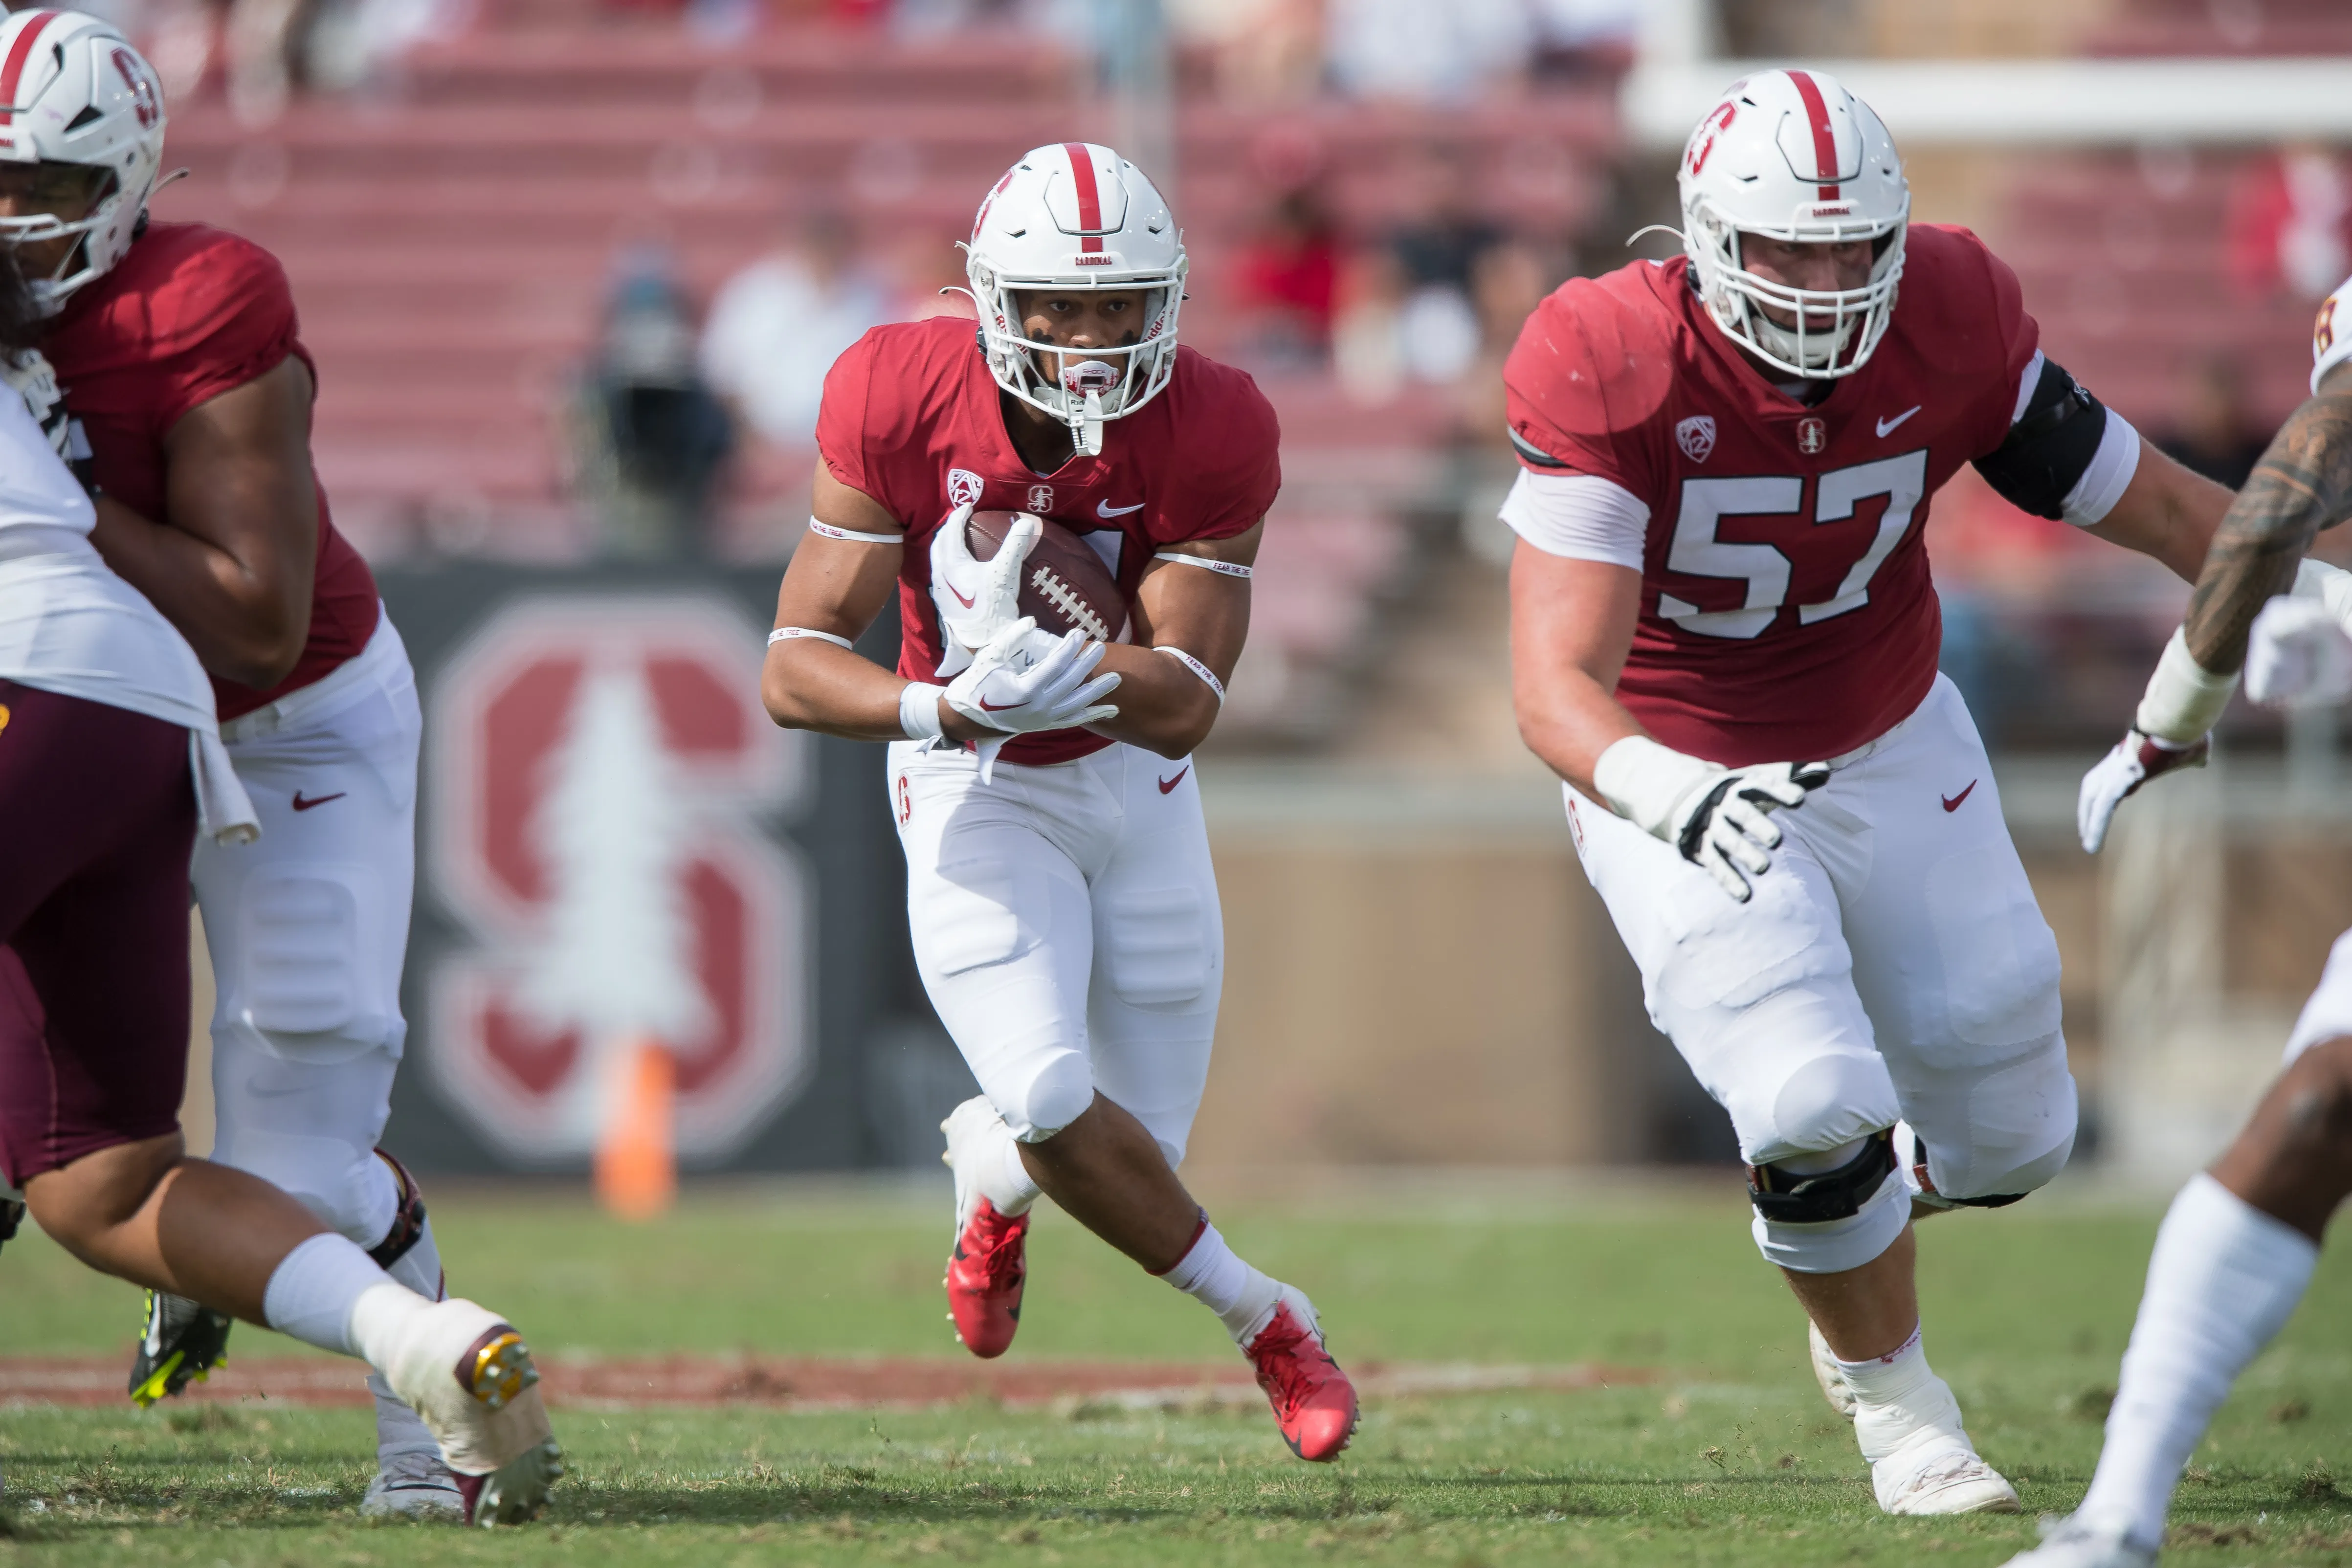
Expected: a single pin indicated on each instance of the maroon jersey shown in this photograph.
(910, 417)
(189, 313)
(1786, 610)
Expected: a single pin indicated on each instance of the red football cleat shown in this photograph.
(1314, 1403)
(985, 1276)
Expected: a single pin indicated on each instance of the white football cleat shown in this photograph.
(469, 1378)
(413, 1486)
(1940, 1473)
(2070, 1543)
(1827, 1373)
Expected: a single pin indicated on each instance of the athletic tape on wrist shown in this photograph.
(1230, 568)
(2183, 697)
(1197, 667)
(786, 633)
(829, 531)
(919, 711)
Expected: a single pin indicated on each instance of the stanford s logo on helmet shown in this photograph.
(1793, 156)
(73, 91)
(1076, 215)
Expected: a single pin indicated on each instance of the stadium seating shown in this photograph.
(451, 236)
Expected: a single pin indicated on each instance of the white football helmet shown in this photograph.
(73, 91)
(1077, 216)
(1792, 155)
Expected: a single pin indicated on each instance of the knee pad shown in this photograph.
(1825, 1101)
(2018, 1134)
(1836, 1220)
(352, 1192)
(1057, 1096)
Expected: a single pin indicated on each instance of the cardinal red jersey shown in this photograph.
(191, 312)
(910, 417)
(1786, 610)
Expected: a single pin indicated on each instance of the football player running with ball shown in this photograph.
(2238, 1247)
(1722, 613)
(1059, 889)
(177, 348)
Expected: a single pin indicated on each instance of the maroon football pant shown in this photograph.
(96, 818)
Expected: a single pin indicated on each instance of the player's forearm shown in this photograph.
(810, 684)
(245, 623)
(1569, 718)
(2303, 484)
(1163, 705)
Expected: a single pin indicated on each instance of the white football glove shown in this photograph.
(2298, 655)
(2136, 759)
(1718, 816)
(976, 598)
(1023, 680)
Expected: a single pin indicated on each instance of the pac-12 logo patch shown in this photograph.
(964, 487)
(1041, 498)
(1696, 436)
(1811, 436)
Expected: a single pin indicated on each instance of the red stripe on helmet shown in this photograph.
(1817, 109)
(12, 71)
(1082, 171)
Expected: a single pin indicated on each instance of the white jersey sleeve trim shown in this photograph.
(2331, 335)
(2028, 379)
(1580, 517)
(2102, 485)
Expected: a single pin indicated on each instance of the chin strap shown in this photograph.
(1087, 429)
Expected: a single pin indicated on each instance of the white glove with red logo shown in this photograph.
(1023, 680)
(976, 598)
(1718, 816)
(2171, 731)
(2298, 655)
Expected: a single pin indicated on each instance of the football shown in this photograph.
(1063, 585)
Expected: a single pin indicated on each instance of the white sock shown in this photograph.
(1898, 1397)
(1214, 1275)
(2223, 1279)
(311, 1294)
(1014, 1189)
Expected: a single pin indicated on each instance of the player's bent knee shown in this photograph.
(1830, 1221)
(346, 1187)
(1056, 1095)
(2018, 1134)
(1828, 1100)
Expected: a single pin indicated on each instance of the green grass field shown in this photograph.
(1727, 1456)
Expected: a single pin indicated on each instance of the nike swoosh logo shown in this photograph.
(1886, 428)
(302, 805)
(1168, 784)
(1954, 803)
(1106, 511)
(1000, 708)
(960, 598)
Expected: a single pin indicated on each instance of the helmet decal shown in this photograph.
(1817, 112)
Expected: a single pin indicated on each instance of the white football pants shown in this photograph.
(2327, 1015)
(1891, 965)
(307, 927)
(1067, 928)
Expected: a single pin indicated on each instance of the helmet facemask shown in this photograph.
(1096, 384)
(1737, 298)
(108, 208)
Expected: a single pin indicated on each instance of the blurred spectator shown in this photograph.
(1367, 348)
(778, 324)
(927, 279)
(2218, 436)
(648, 438)
(1579, 39)
(1285, 281)
(1425, 51)
(1441, 234)
(2288, 226)
(1259, 51)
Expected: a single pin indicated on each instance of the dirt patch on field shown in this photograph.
(792, 1383)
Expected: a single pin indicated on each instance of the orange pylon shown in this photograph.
(636, 1154)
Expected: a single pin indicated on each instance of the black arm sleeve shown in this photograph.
(2047, 452)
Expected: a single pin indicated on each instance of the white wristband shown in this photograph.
(919, 711)
(786, 633)
(2183, 697)
(1198, 668)
(1230, 568)
(1644, 781)
(829, 531)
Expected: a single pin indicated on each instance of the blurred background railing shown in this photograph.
(574, 270)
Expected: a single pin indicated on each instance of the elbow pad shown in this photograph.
(2046, 452)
